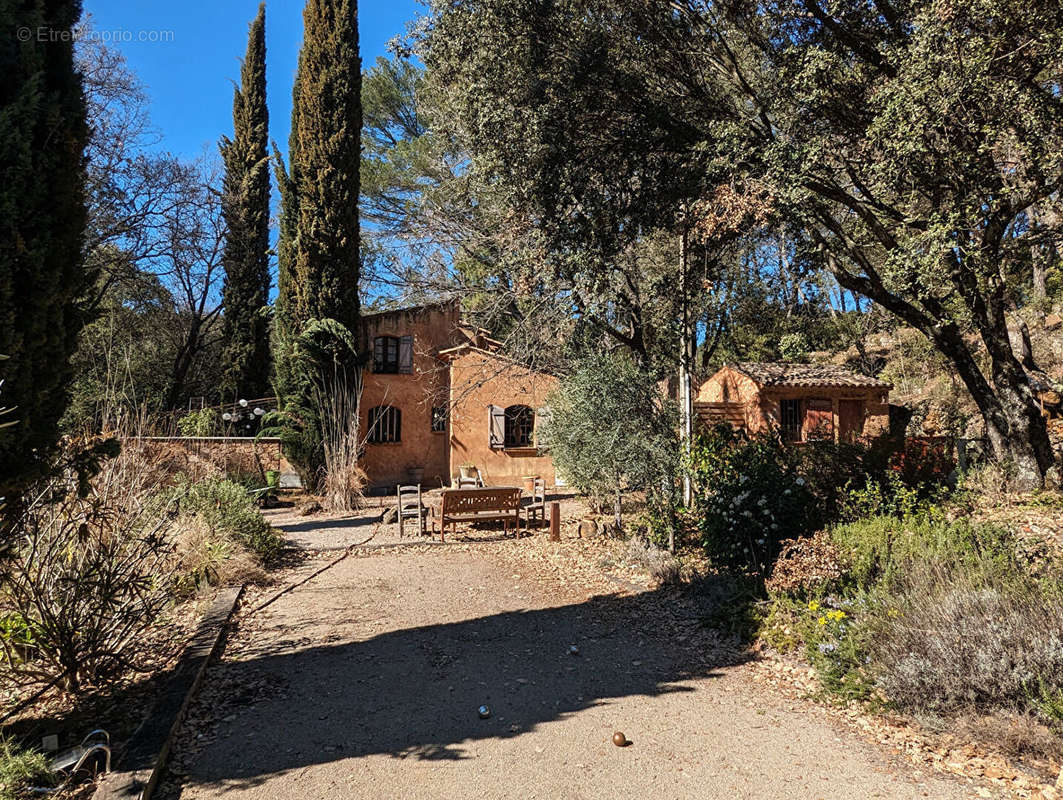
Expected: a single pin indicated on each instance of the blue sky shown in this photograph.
(190, 77)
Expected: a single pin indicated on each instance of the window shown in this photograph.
(439, 419)
(520, 425)
(790, 420)
(393, 354)
(385, 425)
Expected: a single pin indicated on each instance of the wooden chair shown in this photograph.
(537, 507)
(410, 506)
(471, 483)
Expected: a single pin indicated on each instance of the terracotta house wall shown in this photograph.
(731, 386)
(433, 328)
(477, 381)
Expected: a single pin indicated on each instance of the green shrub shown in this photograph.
(226, 507)
(837, 638)
(880, 549)
(889, 496)
(20, 769)
(204, 422)
(933, 616)
(748, 498)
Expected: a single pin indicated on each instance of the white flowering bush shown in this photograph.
(748, 498)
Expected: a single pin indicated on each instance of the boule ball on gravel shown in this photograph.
(484, 712)
(619, 739)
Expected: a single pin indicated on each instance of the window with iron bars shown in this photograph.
(385, 425)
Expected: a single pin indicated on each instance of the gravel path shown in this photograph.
(365, 683)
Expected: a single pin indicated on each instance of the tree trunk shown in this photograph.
(617, 509)
(1016, 430)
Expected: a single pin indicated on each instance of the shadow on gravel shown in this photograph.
(415, 693)
(311, 525)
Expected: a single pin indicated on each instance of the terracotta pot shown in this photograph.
(529, 483)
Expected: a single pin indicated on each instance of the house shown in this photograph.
(803, 402)
(438, 393)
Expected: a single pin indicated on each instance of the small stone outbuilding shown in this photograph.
(802, 402)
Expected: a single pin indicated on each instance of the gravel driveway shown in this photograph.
(365, 683)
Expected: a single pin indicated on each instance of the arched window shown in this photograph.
(385, 425)
(520, 426)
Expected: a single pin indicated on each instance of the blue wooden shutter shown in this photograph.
(406, 355)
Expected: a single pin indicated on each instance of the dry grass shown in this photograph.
(1015, 735)
(661, 565)
(204, 557)
(805, 565)
(344, 481)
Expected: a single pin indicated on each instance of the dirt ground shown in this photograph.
(365, 682)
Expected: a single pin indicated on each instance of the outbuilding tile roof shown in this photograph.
(780, 373)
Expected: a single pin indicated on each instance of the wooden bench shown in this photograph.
(478, 505)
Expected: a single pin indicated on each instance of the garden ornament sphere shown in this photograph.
(484, 712)
(243, 404)
(227, 416)
(619, 739)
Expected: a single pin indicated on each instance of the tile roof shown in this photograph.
(779, 373)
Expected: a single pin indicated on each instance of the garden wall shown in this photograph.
(201, 456)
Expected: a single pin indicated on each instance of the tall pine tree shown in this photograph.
(246, 209)
(43, 133)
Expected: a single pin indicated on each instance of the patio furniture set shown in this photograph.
(469, 504)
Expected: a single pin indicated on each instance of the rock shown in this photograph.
(994, 772)
(588, 528)
(1053, 322)
(1059, 781)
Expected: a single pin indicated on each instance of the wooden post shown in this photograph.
(555, 522)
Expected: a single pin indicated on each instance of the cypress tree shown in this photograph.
(43, 133)
(284, 325)
(317, 310)
(246, 210)
(325, 160)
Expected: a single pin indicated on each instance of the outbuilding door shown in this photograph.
(850, 419)
(819, 419)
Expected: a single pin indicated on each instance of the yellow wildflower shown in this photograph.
(822, 620)
(813, 606)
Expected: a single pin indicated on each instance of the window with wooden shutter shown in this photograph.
(406, 355)
(386, 354)
(520, 422)
(496, 427)
(819, 419)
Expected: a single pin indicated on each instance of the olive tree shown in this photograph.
(612, 431)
